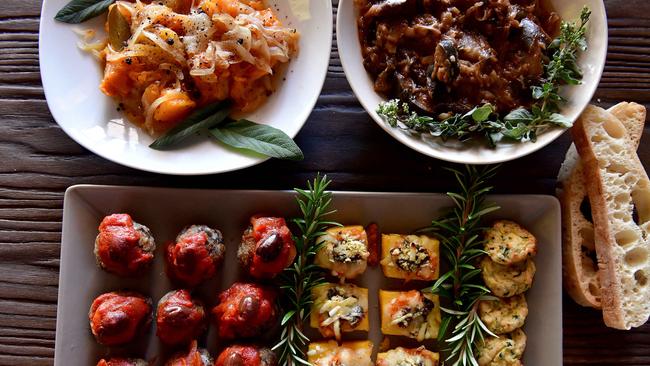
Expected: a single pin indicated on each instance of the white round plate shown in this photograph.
(592, 63)
(71, 80)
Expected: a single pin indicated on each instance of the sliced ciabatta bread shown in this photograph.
(580, 269)
(618, 186)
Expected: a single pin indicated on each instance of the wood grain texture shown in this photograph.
(38, 162)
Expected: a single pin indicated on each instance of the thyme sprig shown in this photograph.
(298, 280)
(460, 234)
(520, 124)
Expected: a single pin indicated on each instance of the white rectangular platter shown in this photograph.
(166, 211)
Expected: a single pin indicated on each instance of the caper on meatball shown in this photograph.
(179, 318)
(267, 247)
(245, 310)
(118, 317)
(243, 355)
(195, 256)
(122, 362)
(123, 246)
(194, 356)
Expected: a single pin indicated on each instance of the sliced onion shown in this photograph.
(164, 46)
(173, 68)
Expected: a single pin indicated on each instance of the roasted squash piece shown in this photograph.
(407, 356)
(357, 353)
(344, 251)
(339, 308)
(411, 257)
(412, 314)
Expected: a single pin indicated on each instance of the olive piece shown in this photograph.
(234, 359)
(269, 248)
(248, 307)
(446, 61)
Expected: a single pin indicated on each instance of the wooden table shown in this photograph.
(38, 162)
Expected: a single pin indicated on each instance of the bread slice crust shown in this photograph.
(617, 183)
(579, 266)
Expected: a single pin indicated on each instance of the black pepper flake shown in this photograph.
(240, 41)
(170, 41)
(128, 60)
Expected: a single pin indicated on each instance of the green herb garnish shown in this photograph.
(520, 124)
(201, 119)
(461, 237)
(241, 134)
(298, 280)
(263, 139)
(78, 11)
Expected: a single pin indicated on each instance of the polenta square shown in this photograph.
(407, 356)
(357, 353)
(412, 314)
(344, 251)
(339, 308)
(410, 257)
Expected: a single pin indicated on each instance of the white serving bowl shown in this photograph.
(592, 63)
(71, 80)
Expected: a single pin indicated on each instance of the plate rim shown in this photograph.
(86, 144)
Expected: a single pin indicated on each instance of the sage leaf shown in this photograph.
(78, 11)
(263, 139)
(201, 119)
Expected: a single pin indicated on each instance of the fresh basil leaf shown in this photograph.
(482, 113)
(78, 11)
(560, 120)
(201, 119)
(263, 139)
(519, 115)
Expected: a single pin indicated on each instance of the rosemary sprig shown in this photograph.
(460, 234)
(298, 280)
(520, 124)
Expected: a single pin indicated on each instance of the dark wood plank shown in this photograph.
(39, 162)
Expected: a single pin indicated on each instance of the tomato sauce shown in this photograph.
(179, 319)
(118, 246)
(192, 358)
(245, 310)
(239, 355)
(189, 259)
(265, 267)
(116, 318)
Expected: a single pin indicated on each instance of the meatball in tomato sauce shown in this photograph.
(237, 355)
(195, 256)
(179, 318)
(118, 317)
(194, 356)
(122, 362)
(123, 246)
(245, 310)
(267, 247)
